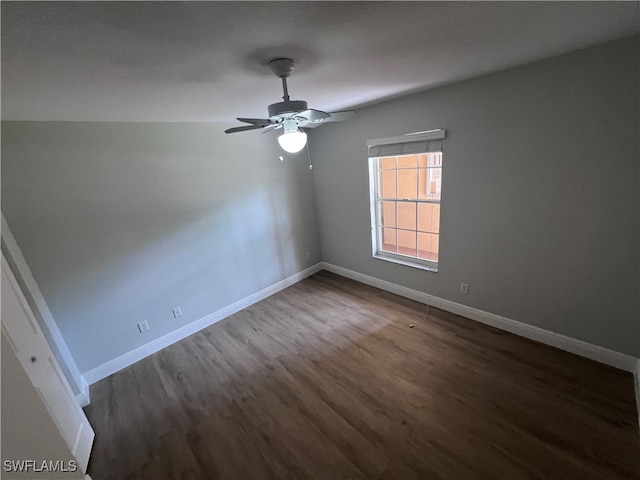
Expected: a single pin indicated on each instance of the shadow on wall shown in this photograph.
(121, 222)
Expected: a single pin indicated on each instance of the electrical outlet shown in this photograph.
(143, 326)
(308, 255)
(177, 312)
(464, 288)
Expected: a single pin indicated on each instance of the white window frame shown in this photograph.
(414, 143)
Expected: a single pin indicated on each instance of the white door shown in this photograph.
(31, 348)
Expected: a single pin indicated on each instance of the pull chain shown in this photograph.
(309, 156)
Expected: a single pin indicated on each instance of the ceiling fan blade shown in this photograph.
(340, 116)
(333, 117)
(312, 115)
(243, 129)
(273, 126)
(255, 121)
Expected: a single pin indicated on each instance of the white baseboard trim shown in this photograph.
(593, 352)
(129, 358)
(83, 397)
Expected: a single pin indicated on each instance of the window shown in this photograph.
(405, 176)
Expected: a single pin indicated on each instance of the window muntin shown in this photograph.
(406, 204)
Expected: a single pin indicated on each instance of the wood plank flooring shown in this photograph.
(327, 380)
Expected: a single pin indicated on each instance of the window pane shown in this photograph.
(407, 215)
(388, 214)
(408, 161)
(422, 184)
(388, 183)
(407, 243)
(389, 241)
(429, 217)
(428, 246)
(405, 226)
(434, 182)
(408, 183)
(388, 162)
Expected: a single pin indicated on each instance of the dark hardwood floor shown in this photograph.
(327, 380)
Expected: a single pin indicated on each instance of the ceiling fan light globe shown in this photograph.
(293, 142)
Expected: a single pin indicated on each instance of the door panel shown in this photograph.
(51, 387)
(35, 356)
(23, 329)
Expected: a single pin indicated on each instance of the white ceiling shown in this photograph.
(205, 61)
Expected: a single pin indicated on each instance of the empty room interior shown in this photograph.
(328, 240)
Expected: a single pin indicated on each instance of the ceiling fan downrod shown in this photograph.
(282, 68)
(285, 97)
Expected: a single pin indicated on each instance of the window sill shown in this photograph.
(407, 262)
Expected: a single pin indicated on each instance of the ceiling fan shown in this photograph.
(290, 115)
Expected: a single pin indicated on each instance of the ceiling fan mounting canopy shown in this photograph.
(289, 115)
(281, 67)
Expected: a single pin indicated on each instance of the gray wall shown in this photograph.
(540, 193)
(121, 222)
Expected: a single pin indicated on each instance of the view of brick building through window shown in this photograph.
(409, 195)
